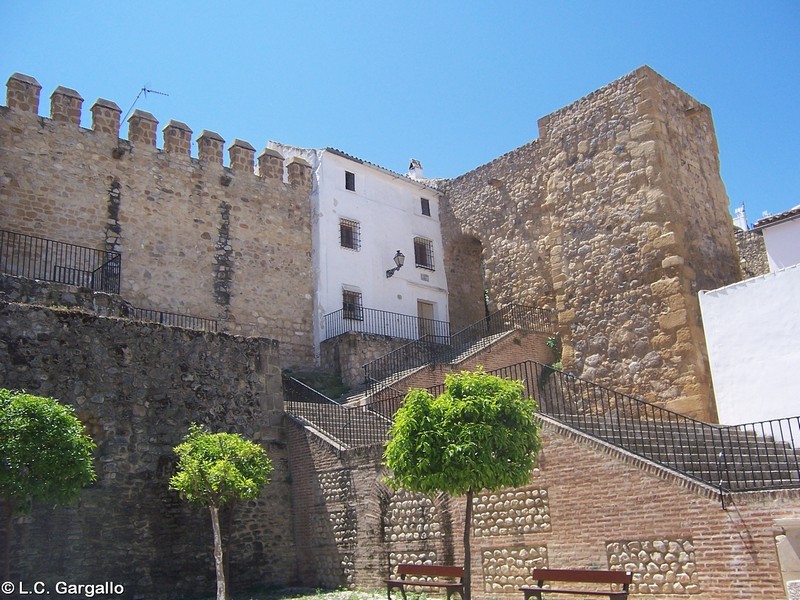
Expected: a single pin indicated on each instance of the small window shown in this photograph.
(425, 205)
(350, 181)
(351, 305)
(423, 253)
(349, 234)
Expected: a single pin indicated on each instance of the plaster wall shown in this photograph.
(783, 244)
(751, 329)
(387, 208)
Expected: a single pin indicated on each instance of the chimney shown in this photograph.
(415, 169)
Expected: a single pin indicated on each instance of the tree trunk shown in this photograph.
(222, 593)
(5, 550)
(467, 553)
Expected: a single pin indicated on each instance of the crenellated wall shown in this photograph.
(615, 216)
(196, 237)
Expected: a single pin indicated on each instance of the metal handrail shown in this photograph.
(39, 258)
(381, 322)
(172, 319)
(763, 455)
(436, 350)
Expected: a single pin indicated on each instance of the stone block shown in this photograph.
(672, 320)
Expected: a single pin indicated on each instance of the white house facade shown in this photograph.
(752, 330)
(377, 249)
(781, 238)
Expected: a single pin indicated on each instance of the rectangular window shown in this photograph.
(351, 305)
(350, 181)
(423, 253)
(425, 205)
(349, 234)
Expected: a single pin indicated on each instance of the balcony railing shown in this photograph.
(381, 322)
(59, 262)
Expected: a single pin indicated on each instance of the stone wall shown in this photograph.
(753, 252)
(196, 237)
(588, 505)
(137, 387)
(615, 216)
(346, 354)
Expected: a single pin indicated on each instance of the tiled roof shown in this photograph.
(792, 213)
(384, 169)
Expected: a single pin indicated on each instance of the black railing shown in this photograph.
(381, 322)
(59, 262)
(437, 350)
(737, 458)
(347, 427)
(172, 319)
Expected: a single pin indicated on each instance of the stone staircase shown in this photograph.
(730, 458)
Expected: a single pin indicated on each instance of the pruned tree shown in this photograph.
(214, 470)
(480, 434)
(45, 456)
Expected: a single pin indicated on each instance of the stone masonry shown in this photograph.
(196, 237)
(615, 216)
(137, 387)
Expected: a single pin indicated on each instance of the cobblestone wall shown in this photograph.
(196, 237)
(137, 387)
(615, 216)
(752, 252)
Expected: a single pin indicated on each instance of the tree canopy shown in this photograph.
(479, 434)
(45, 455)
(215, 469)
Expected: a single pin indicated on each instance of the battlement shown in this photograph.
(23, 92)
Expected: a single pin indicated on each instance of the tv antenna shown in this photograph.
(144, 91)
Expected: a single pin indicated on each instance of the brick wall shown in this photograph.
(588, 506)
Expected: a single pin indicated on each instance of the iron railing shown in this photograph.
(59, 262)
(381, 322)
(347, 427)
(737, 458)
(437, 350)
(172, 319)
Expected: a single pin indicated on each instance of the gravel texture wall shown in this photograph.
(137, 387)
(615, 216)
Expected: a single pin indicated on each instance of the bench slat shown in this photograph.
(585, 575)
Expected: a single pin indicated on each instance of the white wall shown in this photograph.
(782, 241)
(388, 209)
(753, 336)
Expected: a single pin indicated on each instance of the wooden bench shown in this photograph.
(404, 570)
(622, 578)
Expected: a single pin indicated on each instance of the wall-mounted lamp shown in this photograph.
(399, 259)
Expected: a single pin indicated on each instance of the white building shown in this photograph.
(752, 330)
(364, 219)
(781, 238)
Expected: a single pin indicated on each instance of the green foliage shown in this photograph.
(45, 455)
(216, 468)
(479, 434)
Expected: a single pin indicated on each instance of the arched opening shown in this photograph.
(468, 295)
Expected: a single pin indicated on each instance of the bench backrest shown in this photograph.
(584, 575)
(430, 571)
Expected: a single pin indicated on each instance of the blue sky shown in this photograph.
(452, 83)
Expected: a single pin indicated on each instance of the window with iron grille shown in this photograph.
(423, 253)
(351, 305)
(349, 234)
(350, 181)
(425, 206)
